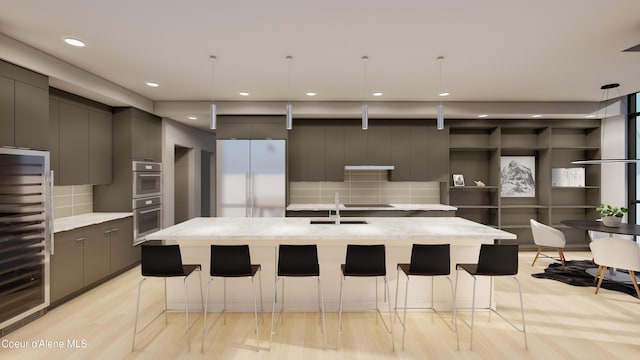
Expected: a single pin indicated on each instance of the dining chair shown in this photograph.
(547, 236)
(616, 253)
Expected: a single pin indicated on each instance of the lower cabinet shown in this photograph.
(85, 256)
(67, 264)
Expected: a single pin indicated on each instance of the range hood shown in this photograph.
(369, 167)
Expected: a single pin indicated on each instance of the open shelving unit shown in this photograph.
(475, 150)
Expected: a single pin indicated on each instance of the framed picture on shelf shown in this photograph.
(458, 180)
(517, 176)
(567, 177)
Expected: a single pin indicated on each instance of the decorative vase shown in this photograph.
(611, 221)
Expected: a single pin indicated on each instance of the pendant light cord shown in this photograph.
(213, 70)
(289, 60)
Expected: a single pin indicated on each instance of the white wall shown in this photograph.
(174, 133)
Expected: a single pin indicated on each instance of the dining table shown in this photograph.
(598, 226)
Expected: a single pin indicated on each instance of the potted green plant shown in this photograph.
(611, 215)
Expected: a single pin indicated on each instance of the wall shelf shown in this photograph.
(475, 151)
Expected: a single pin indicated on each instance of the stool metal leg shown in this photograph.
(255, 312)
(135, 326)
(524, 330)
(204, 319)
(273, 310)
(340, 311)
(186, 311)
(324, 328)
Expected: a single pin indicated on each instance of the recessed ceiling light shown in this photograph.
(311, 93)
(536, 116)
(74, 42)
(444, 93)
(377, 93)
(483, 115)
(244, 93)
(192, 118)
(152, 84)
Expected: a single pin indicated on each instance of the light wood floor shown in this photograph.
(563, 322)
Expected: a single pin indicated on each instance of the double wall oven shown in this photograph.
(147, 199)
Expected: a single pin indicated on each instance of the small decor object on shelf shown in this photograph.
(567, 177)
(458, 180)
(479, 183)
(518, 176)
(611, 215)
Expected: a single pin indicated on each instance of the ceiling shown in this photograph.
(494, 50)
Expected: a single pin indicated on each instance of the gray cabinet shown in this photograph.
(355, 146)
(6, 111)
(334, 153)
(100, 149)
(86, 256)
(74, 145)
(67, 264)
(122, 252)
(31, 116)
(379, 145)
(401, 153)
(146, 132)
(251, 127)
(96, 253)
(24, 108)
(80, 139)
(307, 154)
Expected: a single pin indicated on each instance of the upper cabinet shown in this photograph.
(251, 127)
(80, 140)
(24, 108)
(319, 149)
(147, 134)
(137, 135)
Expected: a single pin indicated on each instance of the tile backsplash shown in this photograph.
(365, 187)
(72, 200)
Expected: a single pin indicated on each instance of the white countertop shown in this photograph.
(394, 207)
(270, 231)
(78, 221)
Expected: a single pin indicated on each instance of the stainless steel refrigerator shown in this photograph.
(250, 178)
(25, 233)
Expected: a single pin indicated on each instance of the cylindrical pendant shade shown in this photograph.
(289, 117)
(365, 117)
(213, 116)
(440, 122)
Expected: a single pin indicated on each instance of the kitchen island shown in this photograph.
(264, 234)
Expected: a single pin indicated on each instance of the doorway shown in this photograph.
(181, 184)
(207, 177)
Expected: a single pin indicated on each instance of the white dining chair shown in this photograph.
(616, 253)
(547, 236)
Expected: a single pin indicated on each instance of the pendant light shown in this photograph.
(289, 116)
(440, 119)
(213, 123)
(605, 96)
(365, 108)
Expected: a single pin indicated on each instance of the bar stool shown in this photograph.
(232, 261)
(165, 261)
(366, 261)
(494, 260)
(297, 261)
(426, 260)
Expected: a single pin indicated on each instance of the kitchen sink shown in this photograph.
(333, 221)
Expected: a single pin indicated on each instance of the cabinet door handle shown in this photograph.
(114, 230)
(79, 239)
(108, 232)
